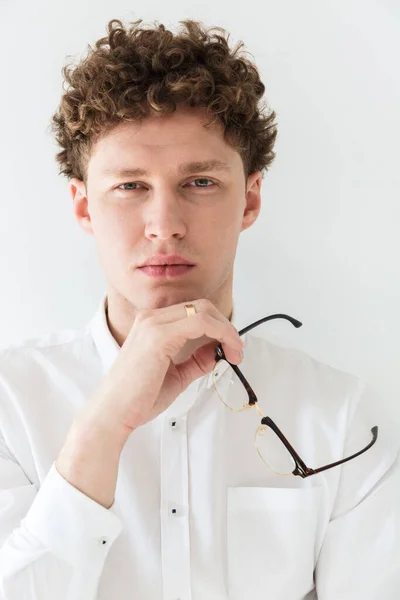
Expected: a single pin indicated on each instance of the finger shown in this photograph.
(175, 334)
(199, 364)
(169, 314)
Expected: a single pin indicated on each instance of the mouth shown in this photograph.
(166, 270)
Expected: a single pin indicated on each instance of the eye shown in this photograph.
(129, 189)
(202, 179)
(130, 183)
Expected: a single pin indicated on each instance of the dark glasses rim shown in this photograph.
(301, 468)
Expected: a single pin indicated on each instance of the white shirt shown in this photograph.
(240, 531)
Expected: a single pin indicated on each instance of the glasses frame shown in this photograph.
(301, 469)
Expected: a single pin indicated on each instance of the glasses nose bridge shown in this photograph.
(258, 410)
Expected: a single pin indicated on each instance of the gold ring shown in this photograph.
(190, 310)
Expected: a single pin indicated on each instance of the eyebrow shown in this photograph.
(183, 169)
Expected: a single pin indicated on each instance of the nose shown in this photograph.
(164, 217)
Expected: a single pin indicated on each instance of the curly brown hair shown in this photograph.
(133, 73)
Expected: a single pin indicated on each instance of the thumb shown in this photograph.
(200, 363)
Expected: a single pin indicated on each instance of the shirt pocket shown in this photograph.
(271, 536)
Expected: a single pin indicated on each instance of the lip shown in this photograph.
(166, 271)
(166, 259)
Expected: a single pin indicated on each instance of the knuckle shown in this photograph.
(202, 317)
(204, 303)
(142, 314)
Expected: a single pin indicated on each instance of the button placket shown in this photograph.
(175, 536)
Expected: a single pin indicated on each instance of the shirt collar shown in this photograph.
(107, 346)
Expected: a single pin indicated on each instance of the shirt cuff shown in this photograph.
(70, 524)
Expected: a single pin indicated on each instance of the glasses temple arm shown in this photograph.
(374, 432)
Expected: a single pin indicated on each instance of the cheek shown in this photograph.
(115, 239)
(223, 229)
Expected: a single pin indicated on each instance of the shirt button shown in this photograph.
(174, 424)
(103, 541)
(177, 511)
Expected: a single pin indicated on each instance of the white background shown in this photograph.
(326, 246)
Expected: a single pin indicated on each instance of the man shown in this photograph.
(123, 474)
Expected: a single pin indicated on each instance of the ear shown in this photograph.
(253, 199)
(81, 209)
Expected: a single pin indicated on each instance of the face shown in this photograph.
(198, 214)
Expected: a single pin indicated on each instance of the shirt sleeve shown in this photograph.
(360, 554)
(53, 541)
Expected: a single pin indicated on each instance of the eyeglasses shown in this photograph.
(273, 447)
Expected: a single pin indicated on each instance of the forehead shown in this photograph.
(180, 135)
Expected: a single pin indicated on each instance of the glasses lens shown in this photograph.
(273, 452)
(228, 386)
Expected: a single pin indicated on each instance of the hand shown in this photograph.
(143, 382)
